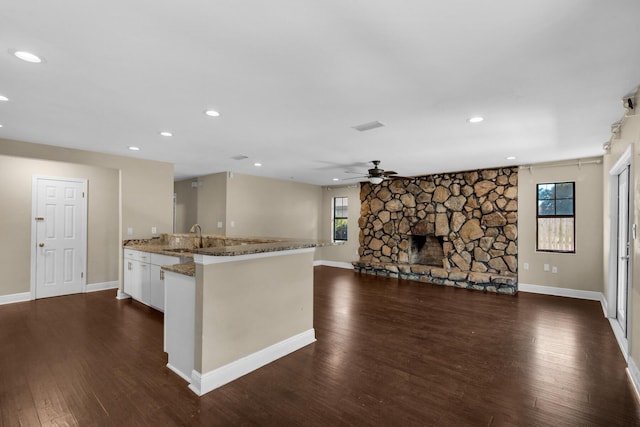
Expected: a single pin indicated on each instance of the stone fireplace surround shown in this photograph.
(468, 220)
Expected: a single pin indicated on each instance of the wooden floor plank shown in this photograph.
(388, 352)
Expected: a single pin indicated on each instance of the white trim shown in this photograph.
(204, 383)
(625, 160)
(213, 259)
(122, 295)
(622, 341)
(634, 375)
(612, 276)
(561, 292)
(11, 298)
(34, 237)
(179, 372)
(337, 264)
(94, 287)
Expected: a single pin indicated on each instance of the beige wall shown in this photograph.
(16, 219)
(629, 137)
(263, 207)
(212, 203)
(245, 306)
(582, 270)
(146, 187)
(186, 205)
(347, 252)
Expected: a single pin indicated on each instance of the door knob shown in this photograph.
(41, 245)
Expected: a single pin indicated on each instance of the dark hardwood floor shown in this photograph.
(389, 353)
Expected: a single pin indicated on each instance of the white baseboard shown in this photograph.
(561, 292)
(122, 295)
(11, 298)
(338, 264)
(204, 383)
(634, 375)
(179, 372)
(94, 287)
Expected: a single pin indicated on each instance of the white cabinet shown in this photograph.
(143, 277)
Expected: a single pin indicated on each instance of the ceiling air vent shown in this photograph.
(368, 126)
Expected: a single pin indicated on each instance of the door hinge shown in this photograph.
(83, 194)
(82, 275)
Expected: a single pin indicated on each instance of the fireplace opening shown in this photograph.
(426, 250)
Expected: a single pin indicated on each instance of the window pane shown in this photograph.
(546, 207)
(340, 231)
(556, 234)
(341, 212)
(564, 207)
(546, 191)
(564, 190)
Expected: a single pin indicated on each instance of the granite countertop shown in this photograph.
(188, 268)
(249, 249)
(159, 248)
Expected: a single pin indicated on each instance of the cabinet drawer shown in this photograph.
(136, 255)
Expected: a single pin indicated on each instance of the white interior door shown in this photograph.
(60, 230)
(623, 249)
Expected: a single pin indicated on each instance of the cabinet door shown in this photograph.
(145, 282)
(132, 278)
(157, 287)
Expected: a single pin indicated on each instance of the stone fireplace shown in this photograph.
(426, 250)
(457, 229)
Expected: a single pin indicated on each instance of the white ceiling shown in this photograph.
(292, 77)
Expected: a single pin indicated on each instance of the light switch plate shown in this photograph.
(154, 230)
(219, 224)
(130, 231)
(546, 267)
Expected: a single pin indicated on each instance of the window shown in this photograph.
(556, 217)
(340, 214)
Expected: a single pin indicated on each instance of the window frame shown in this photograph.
(334, 218)
(555, 199)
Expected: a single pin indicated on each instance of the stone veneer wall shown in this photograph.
(473, 213)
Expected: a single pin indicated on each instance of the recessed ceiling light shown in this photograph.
(3, 98)
(257, 164)
(476, 119)
(336, 179)
(510, 157)
(27, 56)
(165, 133)
(132, 148)
(212, 113)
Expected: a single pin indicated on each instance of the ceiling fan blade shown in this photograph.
(355, 177)
(358, 173)
(387, 173)
(399, 177)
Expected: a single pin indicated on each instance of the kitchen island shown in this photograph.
(237, 308)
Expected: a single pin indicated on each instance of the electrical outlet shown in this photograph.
(130, 231)
(154, 230)
(546, 267)
(232, 224)
(219, 224)
(525, 265)
(177, 240)
(554, 269)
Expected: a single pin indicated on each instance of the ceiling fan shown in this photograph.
(376, 175)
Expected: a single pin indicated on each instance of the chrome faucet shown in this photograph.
(193, 230)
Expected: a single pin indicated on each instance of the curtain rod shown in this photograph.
(578, 163)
